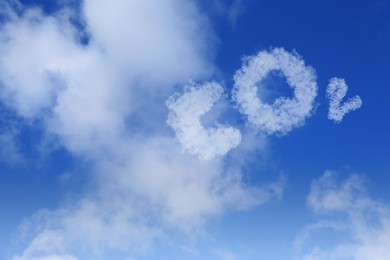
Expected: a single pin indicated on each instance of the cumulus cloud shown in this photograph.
(184, 118)
(352, 225)
(99, 86)
(45, 68)
(285, 113)
(335, 92)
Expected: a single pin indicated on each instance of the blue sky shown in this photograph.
(149, 130)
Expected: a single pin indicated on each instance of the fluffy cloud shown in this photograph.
(354, 225)
(184, 118)
(284, 114)
(99, 86)
(139, 201)
(45, 68)
(336, 91)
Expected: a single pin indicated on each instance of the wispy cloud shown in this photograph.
(9, 150)
(335, 92)
(43, 246)
(9, 146)
(285, 113)
(229, 10)
(351, 225)
(141, 200)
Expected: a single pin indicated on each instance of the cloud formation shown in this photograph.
(184, 118)
(285, 113)
(352, 225)
(335, 92)
(103, 99)
(46, 70)
(141, 200)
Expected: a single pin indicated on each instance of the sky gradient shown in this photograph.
(182, 129)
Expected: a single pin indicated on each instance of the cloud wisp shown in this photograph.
(352, 225)
(139, 201)
(335, 92)
(285, 113)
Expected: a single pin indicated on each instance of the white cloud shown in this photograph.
(184, 118)
(285, 113)
(360, 225)
(33, 50)
(141, 200)
(44, 67)
(105, 102)
(335, 92)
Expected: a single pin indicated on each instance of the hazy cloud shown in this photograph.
(43, 246)
(352, 225)
(229, 10)
(141, 200)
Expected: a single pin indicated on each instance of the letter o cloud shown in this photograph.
(184, 118)
(285, 113)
